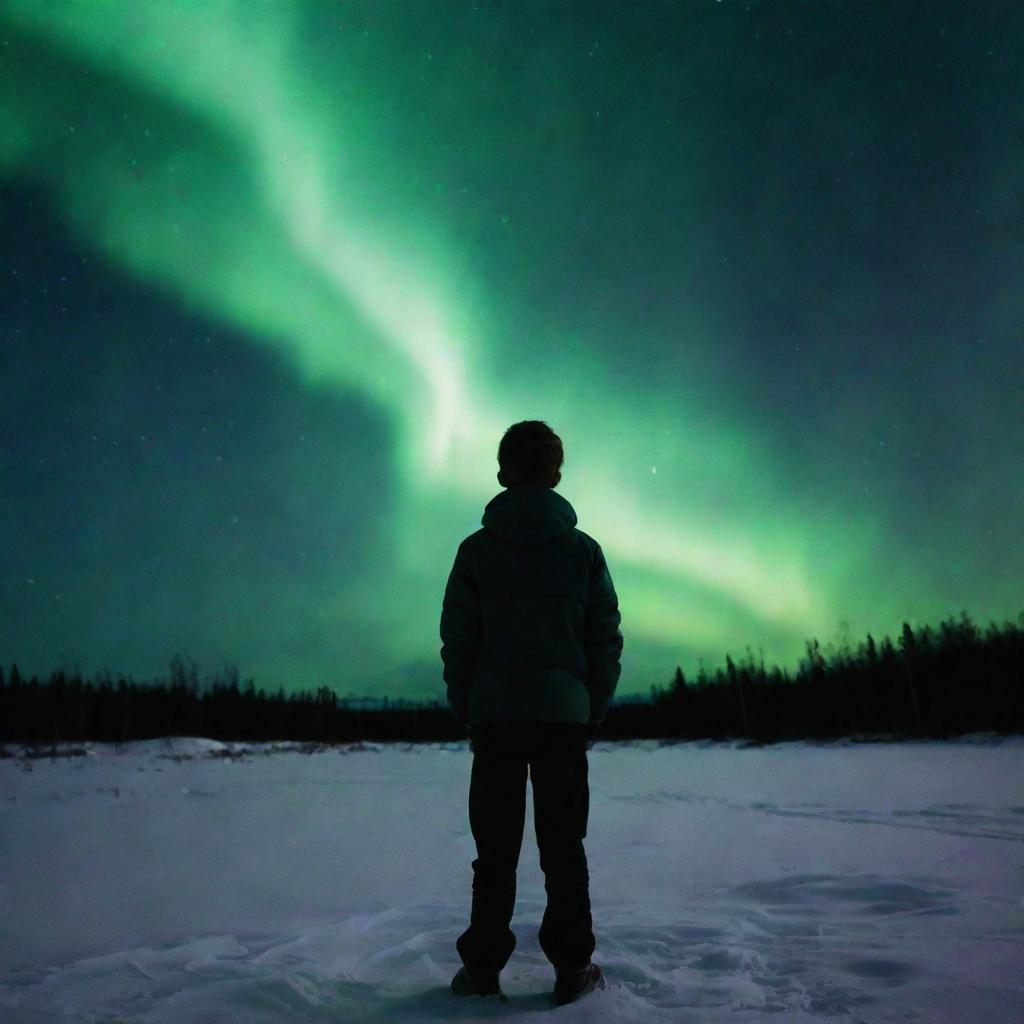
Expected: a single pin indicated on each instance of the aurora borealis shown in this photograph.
(278, 275)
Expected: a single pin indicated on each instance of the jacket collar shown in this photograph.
(530, 514)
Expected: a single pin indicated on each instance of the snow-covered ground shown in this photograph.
(160, 882)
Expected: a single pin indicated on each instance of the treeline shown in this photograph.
(934, 683)
(70, 708)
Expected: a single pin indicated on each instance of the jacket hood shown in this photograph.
(528, 514)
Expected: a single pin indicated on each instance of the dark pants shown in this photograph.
(556, 755)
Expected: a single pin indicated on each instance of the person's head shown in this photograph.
(530, 452)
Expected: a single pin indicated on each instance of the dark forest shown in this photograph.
(931, 683)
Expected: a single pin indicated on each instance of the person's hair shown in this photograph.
(530, 452)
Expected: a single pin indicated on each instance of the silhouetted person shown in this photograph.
(531, 647)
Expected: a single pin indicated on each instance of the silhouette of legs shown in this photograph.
(497, 813)
(554, 753)
(561, 805)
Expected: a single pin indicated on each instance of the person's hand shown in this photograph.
(592, 728)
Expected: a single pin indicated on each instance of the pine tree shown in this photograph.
(908, 647)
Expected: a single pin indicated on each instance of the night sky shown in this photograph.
(276, 278)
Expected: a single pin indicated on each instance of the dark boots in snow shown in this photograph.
(570, 985)
(466, 984)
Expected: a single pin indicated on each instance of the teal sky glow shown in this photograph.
(757, 264)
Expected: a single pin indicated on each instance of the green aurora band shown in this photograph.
(221, 154)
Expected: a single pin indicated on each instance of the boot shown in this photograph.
(570, 985)
(467, 984)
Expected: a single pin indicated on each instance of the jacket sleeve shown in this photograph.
(602, 639)
(461, 633)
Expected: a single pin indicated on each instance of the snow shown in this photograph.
(189, 880)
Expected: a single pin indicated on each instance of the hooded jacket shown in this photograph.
(530, 623)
